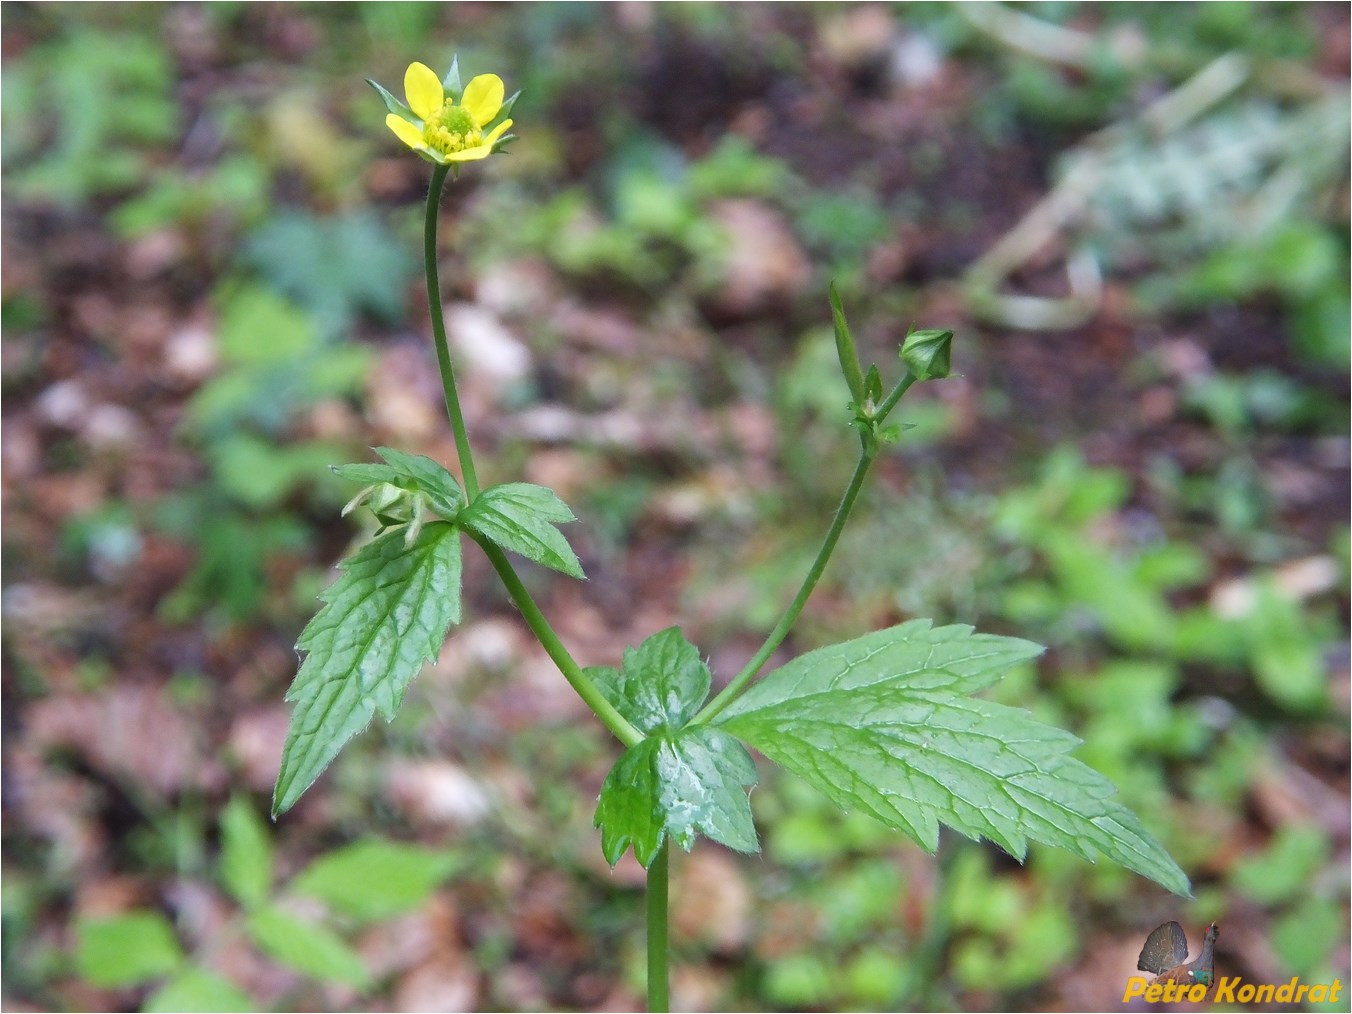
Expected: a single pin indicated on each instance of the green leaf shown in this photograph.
(246, 853)
(884, 723)
(520, 516)
(126, 949)
(659, 685)
(196, 989)
(387, 615)
(258, 327)
(376, 879)
(692, 782)
(306, 947)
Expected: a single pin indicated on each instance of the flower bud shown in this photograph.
(928, 354)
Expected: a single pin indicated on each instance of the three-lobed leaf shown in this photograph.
(385, 617)
(680, 781)
(678, 785)
(659, 685)
(886, 723)
(520, 516)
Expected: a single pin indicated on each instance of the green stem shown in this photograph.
(786, 622)
(776, 637)
(439, 333)
(890, 402)
(544, 633)
(535, 619)
(658, 999)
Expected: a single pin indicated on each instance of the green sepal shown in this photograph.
(393, 104)
(451, 82)
(506, 108)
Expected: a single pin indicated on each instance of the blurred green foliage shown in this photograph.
(362, 883)
(1183, 706)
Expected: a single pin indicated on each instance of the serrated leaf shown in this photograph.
(126, 949)
(376, 879)
(196, 989)
(246, 853)
(692, 782)
(386, 616)
(520, 516)
(306, 947)
(659, 685)
(884, 723)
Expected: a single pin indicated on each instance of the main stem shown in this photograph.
(530, 612)
(657, 929)
(439, 333)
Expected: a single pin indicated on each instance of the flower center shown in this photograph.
(452, 129)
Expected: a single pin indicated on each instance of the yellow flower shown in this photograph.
(446, 128)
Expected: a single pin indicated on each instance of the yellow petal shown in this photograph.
(496, 133)
(483, 97)
(470, 154)
(404, 130)
(422, 89)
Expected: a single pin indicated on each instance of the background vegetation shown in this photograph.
(210, 293)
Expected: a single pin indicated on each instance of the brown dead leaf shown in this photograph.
(765, 265)
(126, 732)
(712, 901)
(436, 792)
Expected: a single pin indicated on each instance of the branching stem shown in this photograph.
(776, 637)
(530, 612)
(550, 641)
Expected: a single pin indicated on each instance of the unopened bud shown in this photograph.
(928, 354)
